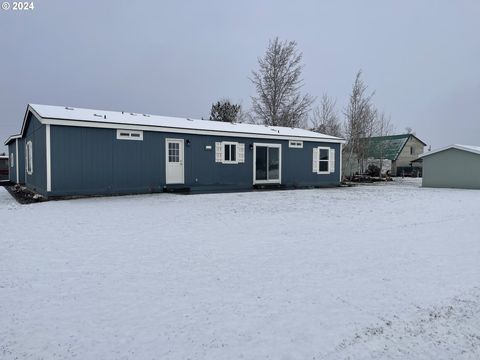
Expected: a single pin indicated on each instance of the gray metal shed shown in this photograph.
(64, 151)
(455, 166)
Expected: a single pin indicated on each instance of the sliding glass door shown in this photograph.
(267, 163)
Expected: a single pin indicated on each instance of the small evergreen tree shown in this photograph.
(225, 111)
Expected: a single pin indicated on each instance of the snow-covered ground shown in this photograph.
(387, 271)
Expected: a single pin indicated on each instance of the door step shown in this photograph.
(176, 189)
(269, 187)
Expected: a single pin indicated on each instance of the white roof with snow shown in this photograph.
(469, 148)
(50, 114)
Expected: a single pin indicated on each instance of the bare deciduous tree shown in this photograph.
(325, 118)
(360, 117)
(383, 127)
(278, 82)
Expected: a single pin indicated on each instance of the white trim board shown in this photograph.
(16, 161)
(92, 124)
(48, 159)
(472, 149)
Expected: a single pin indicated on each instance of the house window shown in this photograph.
(323, 160)
(12, 160)
(229, 152)
(29, 157)
(412, 150)
(129, 135)
(173, 152)
(295, 144)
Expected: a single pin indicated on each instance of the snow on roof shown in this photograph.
(469, 148)
(127, 118)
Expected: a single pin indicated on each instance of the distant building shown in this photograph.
(398, 151)
(455, 166)
(3, 167)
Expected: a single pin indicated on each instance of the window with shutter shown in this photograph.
(332, 161)
(228, 152)
(315, 160)
(325, 160)
(241, 153)
(218, 152)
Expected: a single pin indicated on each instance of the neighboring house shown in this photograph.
(4, 167)
(454, 166)
(399, 151)
(63, 151)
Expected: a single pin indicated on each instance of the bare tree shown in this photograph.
(359, 123)
(245, 116)
(325, 118)
(383, 127)
(278, 82)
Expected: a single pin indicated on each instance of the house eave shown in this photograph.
(113, 125)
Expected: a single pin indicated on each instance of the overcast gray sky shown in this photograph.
(177, 57)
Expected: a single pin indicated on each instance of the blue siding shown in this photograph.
(92, 161)
(12, 171)
(21, 161)
(12, 149)
(35, 132)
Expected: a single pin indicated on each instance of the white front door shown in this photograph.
(174, 172)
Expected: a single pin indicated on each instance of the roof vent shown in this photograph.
(97, 115)
(122, 112)
(189, 119)
(146, 115)
(104, 116)
(69, 108)
(133, 114)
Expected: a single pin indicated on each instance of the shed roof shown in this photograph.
(468, 148)
(64, 115)
(388, 147)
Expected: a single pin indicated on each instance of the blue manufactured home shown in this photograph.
(64, 151)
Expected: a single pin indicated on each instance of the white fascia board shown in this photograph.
(48, 158)
(10, 138)
(103, 125)
(19, 136)
(341, 165)
(16, 160)
(455, 146)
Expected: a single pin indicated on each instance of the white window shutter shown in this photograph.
(315, 160)
(241, 153)
(331, 158)
(218, 152)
